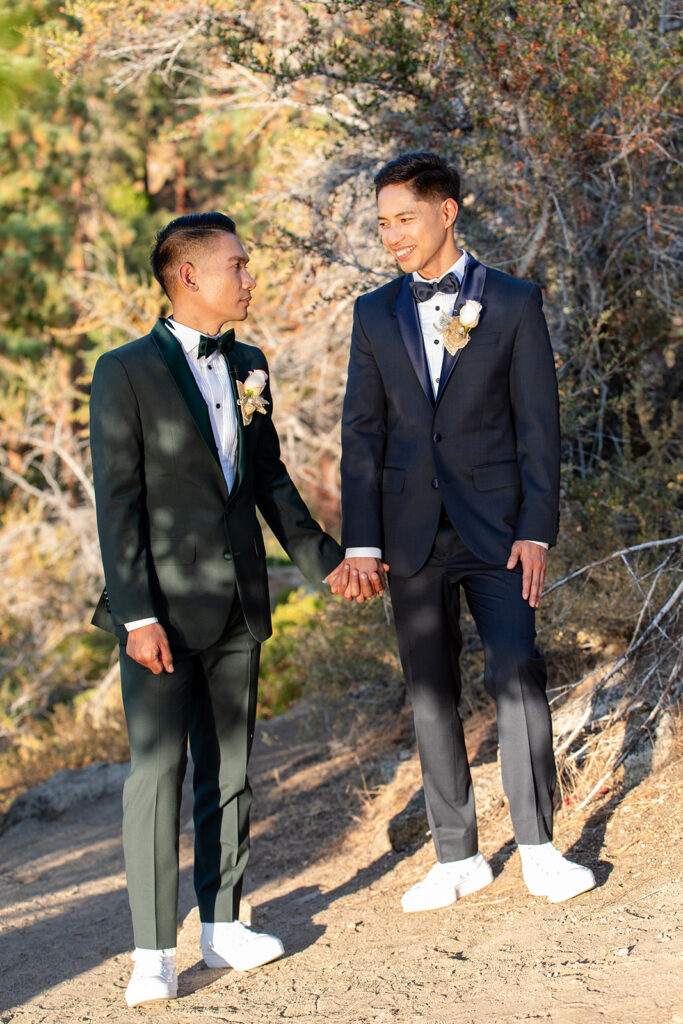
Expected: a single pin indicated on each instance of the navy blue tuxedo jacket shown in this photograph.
(487, 448)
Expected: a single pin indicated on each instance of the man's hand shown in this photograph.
(358, 578)
(534, 559)
(148, 645)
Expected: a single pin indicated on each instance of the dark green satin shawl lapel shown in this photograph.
(171, 352)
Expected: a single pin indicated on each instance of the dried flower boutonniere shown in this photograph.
(249, 391)
(456, 329)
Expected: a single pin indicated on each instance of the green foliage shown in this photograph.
(322, 645)
(562, 117)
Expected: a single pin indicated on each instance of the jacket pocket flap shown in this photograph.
(393, 480)
(497, 474)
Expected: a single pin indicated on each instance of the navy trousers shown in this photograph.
(427, 610)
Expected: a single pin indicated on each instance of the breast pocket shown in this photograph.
(481, 340)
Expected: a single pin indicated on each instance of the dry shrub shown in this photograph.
(91, 728)
(613, 721)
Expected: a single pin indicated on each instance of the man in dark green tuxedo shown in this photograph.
(184, 451)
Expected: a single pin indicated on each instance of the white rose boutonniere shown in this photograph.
(249, 391)
(456, 329)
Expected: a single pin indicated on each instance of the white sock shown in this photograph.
(209, 927)
(461, 865)
(141, 953)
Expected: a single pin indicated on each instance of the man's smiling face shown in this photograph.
(418, 232)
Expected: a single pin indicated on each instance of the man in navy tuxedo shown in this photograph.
(450, 473)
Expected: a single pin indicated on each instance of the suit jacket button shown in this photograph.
(436, 438)
(227, 556)
(435, 484)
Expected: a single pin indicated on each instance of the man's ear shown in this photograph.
(187, 276)
(450, 211)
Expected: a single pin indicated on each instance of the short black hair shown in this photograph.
(175, 243)
(429, 175)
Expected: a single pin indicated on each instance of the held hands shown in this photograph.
(534, 559)
(358, 579)
(148, 645)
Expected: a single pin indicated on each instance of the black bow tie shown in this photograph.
(224, 344)
(424, 290)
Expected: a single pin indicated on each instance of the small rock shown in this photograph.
(66, 788)
(410, 826)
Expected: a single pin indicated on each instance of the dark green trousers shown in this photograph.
(210, 697)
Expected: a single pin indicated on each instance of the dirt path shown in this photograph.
(324, 878)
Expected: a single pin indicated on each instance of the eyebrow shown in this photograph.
(403, 213)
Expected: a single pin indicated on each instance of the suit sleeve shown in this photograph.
(535, 404)
(364, 429)
(116, 445)
(312, 550)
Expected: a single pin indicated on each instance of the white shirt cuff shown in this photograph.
(138, 623)
(363, 553)
(541, 543)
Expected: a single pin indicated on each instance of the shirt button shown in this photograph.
(218, 405)
(437, 380)
(435, 484)
(227, 556)
(437, 308)
(208, 366)
(437, 341)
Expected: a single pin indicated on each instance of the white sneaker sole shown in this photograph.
(214, 959)
(479, 879)
(561, 893)
(163, 992)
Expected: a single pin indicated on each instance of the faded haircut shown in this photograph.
(179, 240)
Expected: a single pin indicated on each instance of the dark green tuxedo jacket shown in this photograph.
(174, 542)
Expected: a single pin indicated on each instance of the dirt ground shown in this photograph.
(324, 878)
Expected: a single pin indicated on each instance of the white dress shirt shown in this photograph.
(429, 313)
(213, 380)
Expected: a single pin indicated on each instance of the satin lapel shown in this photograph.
(472, 287)
(172, 354)
(236, 370)
(411, 333)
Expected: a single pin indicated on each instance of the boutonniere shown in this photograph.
(249, 391)
(456, 329)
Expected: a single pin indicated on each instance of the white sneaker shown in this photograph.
(547, 873)
(154, 976)
(232, 944)
(446, 883)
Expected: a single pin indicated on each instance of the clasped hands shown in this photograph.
(361, 579)
(354, 579)
(358, 579)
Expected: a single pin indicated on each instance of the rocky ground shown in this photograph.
(325, 877)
